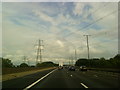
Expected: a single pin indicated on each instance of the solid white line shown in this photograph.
(83, 85)
(28, 87)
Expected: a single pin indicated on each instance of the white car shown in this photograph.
(83, 68)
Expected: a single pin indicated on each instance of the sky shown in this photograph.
(61, 26)
(60, 0)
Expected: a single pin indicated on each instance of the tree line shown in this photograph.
(6, 63)
(95, 62)
(100, 62)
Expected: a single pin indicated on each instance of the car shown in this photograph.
(60, 68)
(83, 68)
(71, 68)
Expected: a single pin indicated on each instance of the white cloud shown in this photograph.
(45, 17)
(60, 43)
(79, 8)
(20, 39)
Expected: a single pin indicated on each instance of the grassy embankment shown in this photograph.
(114, 70)
(10, 73)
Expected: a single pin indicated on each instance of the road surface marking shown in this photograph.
(28, 87)
(83, 85)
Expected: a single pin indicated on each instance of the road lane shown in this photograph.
(24, 81)
(31, 85)
(73, 79)
(96, 79)
(59, 79)
(65, 79)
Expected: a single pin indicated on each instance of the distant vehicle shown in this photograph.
(60, 67)
(66, 67)
(83, 68)
(71, 68)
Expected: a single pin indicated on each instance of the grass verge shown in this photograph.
(20, 74)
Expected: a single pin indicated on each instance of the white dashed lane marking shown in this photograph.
(28, 87)
(83, 85)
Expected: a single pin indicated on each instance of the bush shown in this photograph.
(45, 64)
(24, 65)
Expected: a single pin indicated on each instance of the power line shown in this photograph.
(87, 45)
(93, 12)
(104, 5)
(92, 24)
(95, 21)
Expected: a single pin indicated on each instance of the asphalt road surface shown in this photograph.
(64, 79)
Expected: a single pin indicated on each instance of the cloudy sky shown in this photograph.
(61, 26)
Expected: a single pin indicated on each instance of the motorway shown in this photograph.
(64, 79)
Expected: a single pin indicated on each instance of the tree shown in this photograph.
(45, 64)
(100, 63)
(117, 56)
(102, 58)
(24, 65)
(116, 61)
(7, 63)
(81, 62)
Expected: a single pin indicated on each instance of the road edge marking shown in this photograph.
(28, 87)
(83, 85)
